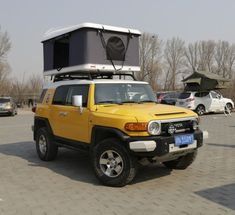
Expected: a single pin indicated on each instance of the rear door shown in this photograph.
(215, 102)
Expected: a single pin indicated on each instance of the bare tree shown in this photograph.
(34, 84)
(150, 59)
(192, 56)
(225, 58)
(5, 46)
(174, 56)
(206, 55)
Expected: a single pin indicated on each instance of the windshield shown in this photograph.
(4, 100)
(119, 93)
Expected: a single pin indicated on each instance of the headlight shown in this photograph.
(194, 125)
(8, 105)
(154, 128)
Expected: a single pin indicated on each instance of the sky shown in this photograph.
(191, 20)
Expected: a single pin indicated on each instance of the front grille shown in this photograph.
(180, 126)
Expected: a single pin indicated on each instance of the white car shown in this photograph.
(204, 102)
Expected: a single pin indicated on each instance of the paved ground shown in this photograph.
(68, 186)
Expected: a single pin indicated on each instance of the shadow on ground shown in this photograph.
(221, 145)
(223, 195)
(73, 164)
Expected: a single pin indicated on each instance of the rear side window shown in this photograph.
(202, 94)
(184, 95)
(60, 95)
(43, 93)
(78, 90)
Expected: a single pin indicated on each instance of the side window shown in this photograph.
(206, 94)
(197, 94)
(43, 93)
(78, 90)
(214, 95)
(60, 95)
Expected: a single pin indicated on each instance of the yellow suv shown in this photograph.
(118, 122)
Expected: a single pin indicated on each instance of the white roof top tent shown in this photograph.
(91, 47)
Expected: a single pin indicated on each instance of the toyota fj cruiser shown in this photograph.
(118, 122)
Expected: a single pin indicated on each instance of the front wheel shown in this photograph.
(182, 162)
(112, 163)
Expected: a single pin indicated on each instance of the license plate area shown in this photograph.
(184, 139)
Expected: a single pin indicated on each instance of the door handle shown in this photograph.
(63, 113)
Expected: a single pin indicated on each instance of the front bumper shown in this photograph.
(161, 145)
(5, 111)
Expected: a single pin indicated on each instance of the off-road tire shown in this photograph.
(182, 162)
(200, 110)
(51, 148)
(129, 163)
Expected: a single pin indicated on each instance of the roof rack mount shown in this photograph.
(91, 76)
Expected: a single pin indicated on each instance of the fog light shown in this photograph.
(195, 125)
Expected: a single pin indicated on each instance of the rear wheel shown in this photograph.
(112, 163)
(228, 108)
(200, 110)
(182, 162)
(46, 148)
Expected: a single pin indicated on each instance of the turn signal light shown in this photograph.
(136, 126)
(34, 109)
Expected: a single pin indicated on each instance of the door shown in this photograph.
(68, 121)
(215, 102)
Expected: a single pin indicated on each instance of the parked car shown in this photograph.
(160, 95)
(7, 106)
(170, 98)
(204, 102)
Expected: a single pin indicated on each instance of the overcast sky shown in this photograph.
(191, 20)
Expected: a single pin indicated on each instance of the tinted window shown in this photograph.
(202, 94)
(60, 95)
(214, 95)
(42, 95)
(184, 95)
(78, 90)
(4, 100)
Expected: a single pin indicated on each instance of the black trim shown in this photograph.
(38, 121)
(71, 144)
(163, 143)
(97, 132)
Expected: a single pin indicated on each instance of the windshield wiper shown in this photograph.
(108, 102)
(129, 102)
(147, 101)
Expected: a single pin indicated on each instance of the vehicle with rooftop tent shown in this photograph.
(94, 103)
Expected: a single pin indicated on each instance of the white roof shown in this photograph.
(95, 81)
(55, 32)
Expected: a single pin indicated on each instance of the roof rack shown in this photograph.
(91, 76)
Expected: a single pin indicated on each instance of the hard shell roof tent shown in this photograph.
(91, 47)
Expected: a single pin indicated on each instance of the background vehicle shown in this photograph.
(7, 106)
(204, 102)
(170, 98)
(160, 95)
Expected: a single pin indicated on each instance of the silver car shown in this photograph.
(7, 106)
